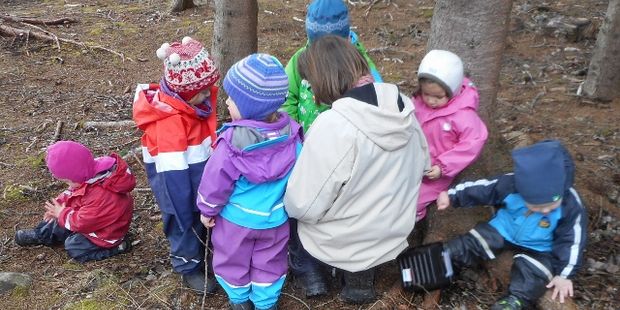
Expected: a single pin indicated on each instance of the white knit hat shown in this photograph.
(444, 68)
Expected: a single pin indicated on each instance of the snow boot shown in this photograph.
(26, 237)
(359, 287)
(510, 302)
(312, 283)
(247, 305)
(196, 281)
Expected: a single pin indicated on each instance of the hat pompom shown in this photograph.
(162, 52)
(186, 40)
(174, 59)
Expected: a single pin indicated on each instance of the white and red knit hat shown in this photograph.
(188, 69)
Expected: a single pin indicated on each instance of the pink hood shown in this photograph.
(468, 98)
(455, 135)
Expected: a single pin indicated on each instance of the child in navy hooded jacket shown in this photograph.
(541, 218)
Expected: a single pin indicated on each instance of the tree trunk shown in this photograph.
(235, 34)
(475, 30)
(603, 81)
(180, 5)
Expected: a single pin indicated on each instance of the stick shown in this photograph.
(124, 123)
(389, 49)
(204, 292)
(57, 131)
(12, 31)
(36, 21)
(370, 7)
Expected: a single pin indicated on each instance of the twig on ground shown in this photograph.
(537, 98)
(112, 124)
(34, 140)
(370, 7)
(5, 164)
(36, 21)
(58, 131)
(298, 299)
(384, 49)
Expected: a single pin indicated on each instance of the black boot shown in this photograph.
(359, 287)
(196, 281)
(312, 283)
(247, 305)
(26, 237)
(509, 302)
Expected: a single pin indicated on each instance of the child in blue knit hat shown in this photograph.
(541, 218)
(323, 17)
(242, 187)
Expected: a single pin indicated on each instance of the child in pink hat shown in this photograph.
(178, 119)
(93, 215)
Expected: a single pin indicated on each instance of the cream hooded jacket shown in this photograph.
(355, 185)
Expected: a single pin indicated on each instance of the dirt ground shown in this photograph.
(41, 86)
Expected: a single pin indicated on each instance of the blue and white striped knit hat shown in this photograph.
(258, 85)
(327, 17)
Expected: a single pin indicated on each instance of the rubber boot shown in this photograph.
(359, 287)
(247, 305)
(26, 237)
(196, 281)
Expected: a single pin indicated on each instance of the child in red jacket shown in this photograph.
(93, 215)
(178, 119)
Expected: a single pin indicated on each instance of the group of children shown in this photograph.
(244, 180)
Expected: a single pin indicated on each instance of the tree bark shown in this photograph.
(235, 34)
(180, 5)
(475, 30)
(603, 81)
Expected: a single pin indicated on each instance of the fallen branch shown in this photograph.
(16, 32)
(58, 130)
(36, 21)
(115, 124)
(370, 7)
(389, 49)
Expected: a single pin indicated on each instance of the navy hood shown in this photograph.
(543, 171)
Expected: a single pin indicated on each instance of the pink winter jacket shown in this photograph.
(455, 135)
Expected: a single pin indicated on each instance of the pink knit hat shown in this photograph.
(68, 160)
(188, 68)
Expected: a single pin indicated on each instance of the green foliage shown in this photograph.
(35, 161)
(427, 12)
(20, 292)
(12, 193)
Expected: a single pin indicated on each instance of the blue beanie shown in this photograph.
(539, 170)
(327, 17)
(258, 85)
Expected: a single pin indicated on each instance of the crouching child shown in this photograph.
(540, 218)
(92, 216)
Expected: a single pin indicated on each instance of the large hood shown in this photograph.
(468, 98)
(151, 105)
(120, 179)
(380, 112)
(263, 152)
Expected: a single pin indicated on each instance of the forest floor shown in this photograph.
(43, 86)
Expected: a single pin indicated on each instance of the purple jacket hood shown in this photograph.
(262, 151)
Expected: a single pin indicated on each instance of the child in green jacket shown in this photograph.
(323, 17)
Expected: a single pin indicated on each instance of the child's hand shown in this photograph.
(443, 201)
(562, 287)
(207, 221)
(434, 173)
(53, 209)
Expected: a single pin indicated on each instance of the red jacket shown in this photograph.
(102, 207)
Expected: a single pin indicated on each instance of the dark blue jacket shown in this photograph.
(561, 232)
